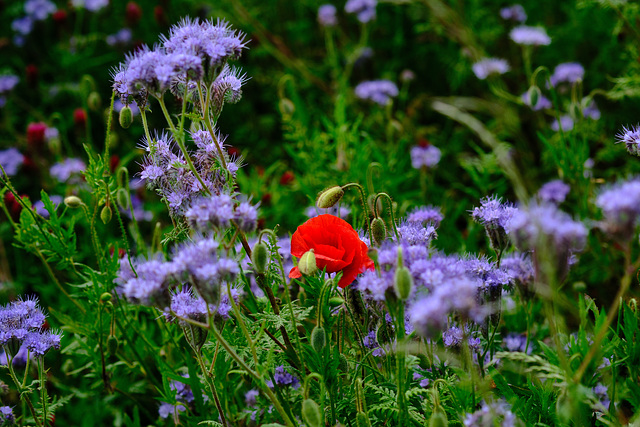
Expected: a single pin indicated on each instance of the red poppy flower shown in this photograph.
(337, 247)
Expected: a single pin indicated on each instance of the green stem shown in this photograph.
(209, 126)
(21, 392)
(364, 203)
(43, 390)
(211, 385)
(243, 326)
(390, 204)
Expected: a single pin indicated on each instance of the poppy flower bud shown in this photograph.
(403, 281)
(133, 12)
(336, 301)
(287, 178)
(112, 345)
(343, 363)
(534, 95)
(106, 296)
(122, 198)
(307, 264)
(318, 338)
(378, 231)
(259, 257)
(126, 117)
(35, 134)
(94, 101)
(80, 117)
(106, 214)
(73, 202)
(311, 413)
(329, 197)
(438, 419)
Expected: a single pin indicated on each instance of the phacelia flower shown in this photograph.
(215, 211)
(426, 215)
(493, 414)
(39, 10)
(90, 5)
(11, 159)
(533, 36)
(494, 216)
(487, 66)
(569, 72)
(378, 91)
(250, 397)
(21, 323)
(6, 415)
(631, 138)
(565, 121)
(514, 13)
(284, 378)
(620, 205)
(520, 268)
(364, 9)
(590, 110)
(8, 82)
(121, 37)
(554, 192)
(427, 157)
(327, 15)
(63, 170)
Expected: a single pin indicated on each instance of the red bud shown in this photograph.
(80, 117)
(287, 178)
(35, 134)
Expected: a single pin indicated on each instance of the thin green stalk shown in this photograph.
(57, 282)
(400, 364)
(211, 385)
(390, 204)
(21, 392)
(243, 326)
(364, 202)
(43, 390)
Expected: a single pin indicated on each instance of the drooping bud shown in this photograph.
(307, 264)
(259, 257)
(403, 281)
(534, 95)
(126, 117)
(378, 231)
(311, 413)
(318, 338)
(80, 117)
(73, 202)
(122, 198)
(106, 214)
(330, 197)
(94, 101)
(112, 345)
(438, 419)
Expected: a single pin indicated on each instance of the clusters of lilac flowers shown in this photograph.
(21, 325)
(35, 10)
(184, 396)
(631, 138)
(6, 415)
(495, 217)
(378, 91)
(218, 211)
(327, 15)
(64, 170)
(365, 10)
(555, 192)
(543, 103)
(339, 211)
(121, 37)
(492, 414)
(11, 159)
(530, 36)
(426, 215)
(425, 156)
(568, 72)
(283, 379)
(7, 83)
(566, 123)
(620, 205)
(514, 13)
(488, 66)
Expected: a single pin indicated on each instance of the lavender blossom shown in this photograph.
(22, 26)
(11, 159)
(554, 192)
(427, 157)
(228, 87)
(151, 286)
(591, 110)
(494, 216)
(65, 169)
(370, 342)
(569, 72)
(250, 397)
(364, 9)
(530, 36)
(341, 212)
(375, 287)
(517, 342)
(426, 215)
(183, 396)
(620, 205)
(216, 211)
(378, 91)
(6, 415)
(514, 13)
(601, 392)
(488, 66)
(39, 10)
(40, 209)
(246, 217)
(520, 268)
(21, 326)
(327, 15)
(90, 5)
(631, 138)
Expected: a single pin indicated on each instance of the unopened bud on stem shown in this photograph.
(330, 197)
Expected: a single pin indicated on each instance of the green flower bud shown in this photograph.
(287, 108)
(260, 257)
(112, 345)
(94, 101)
(335, 301)
(106, 214)
(73, 202)
(438, 419)
(403, 282)
(318, 338)
(378, 231)
(307, 264)
(122, 198)
(126, 117)
(534, 95)
(311, 413)
(329, 197)
(106, 296)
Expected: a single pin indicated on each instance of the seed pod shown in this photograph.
(307, 264)
(378, 231)
(126, 117)
(403, 282)
(329, 197)
(311, 413)
(122, 198)
(259, 257)
(318, 338)
(112, 345)
(73, 202)
(106, 214)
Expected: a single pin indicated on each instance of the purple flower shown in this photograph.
(414, 233)
(11, 159)
(8, 82)
(341, 212)
(565, 121)
(554, 192)
(492, 414)
(365, 9)
(151, 286)
(517, 342)
(370, 341)
(284, 378)
(520, 268)
(487, 66)
(6, 414)
(378, 91)
(184, 396)
(63, 170)
(228, 85)
(426, 215)
(327, 15)
(427, 157)
(601, 392)
(542, 104)
(533, 36)
(39, 10)
(246, 217)
(494, 216)
(40, 209)
(216, 211)
(90, 5)
(514, 13)
(22, 26)
(19, 318)
(187, 305)
(122, 37)
(250, 397)
(591, 110)
(631, 138)
(374, 286)
(38, 343)
(620, 205)
(569, 72)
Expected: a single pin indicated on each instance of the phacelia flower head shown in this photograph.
(283, 378)
(569, 72)
(426, 215)
(487, 66)
(21, 324)
(494, 216)
(151, 286)
(514, 13)
(364, 9)
(65, 169)
(493, 414)
(425, 156)
(6, 415)
(11, 159)
(554, 192)
(532, 36)
(327, 15)
(520, 268)
(39, 10)
(8, 82)
(631, 138)
(620, 205)
(566, 122)
(378, 91)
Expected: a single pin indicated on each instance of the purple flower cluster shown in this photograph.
(35, 10)
(378, 91)
(631, 138)
(284, 379)
(520, 268)
(426, 215)
(494, 216)
(569, 72)
(530, 36)
(488, 66)
(492, 414)
(514, 13)
(327, 15)
(566, 122)
(620, 205)
(90, 5)
(122, 37)
(11, 159)
(6, 415)
(184, 396)
(365, 10)
(427, 157)
(21, 324)
(554, 192)
(218, 211)
(7, 83)
(371, 342)
(339, 211)
(67, 168)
